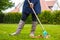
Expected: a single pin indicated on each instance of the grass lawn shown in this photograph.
(6, 29)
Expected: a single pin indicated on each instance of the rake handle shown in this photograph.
(36, 17)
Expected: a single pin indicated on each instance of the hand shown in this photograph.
(31, 5)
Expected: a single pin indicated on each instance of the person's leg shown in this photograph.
(21, 23)
(34, 23)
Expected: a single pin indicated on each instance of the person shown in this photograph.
(25, 13)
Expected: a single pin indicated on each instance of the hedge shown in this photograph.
(46, 17)
(56, 17)
(12, 17)
(1, 17)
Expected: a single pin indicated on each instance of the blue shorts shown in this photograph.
(27, 9)
(25, 15)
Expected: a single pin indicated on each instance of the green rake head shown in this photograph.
(45, 34)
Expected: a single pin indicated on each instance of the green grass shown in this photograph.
(6, 29)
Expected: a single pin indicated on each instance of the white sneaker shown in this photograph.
(13, 34)
(31, 35)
